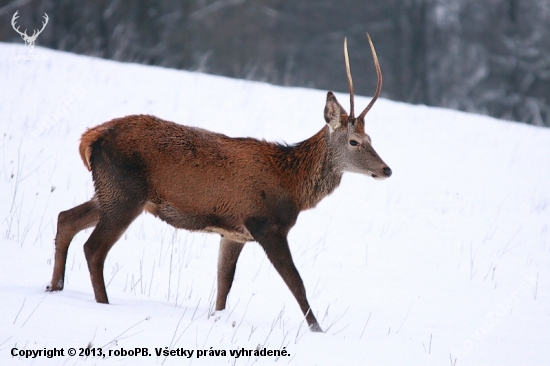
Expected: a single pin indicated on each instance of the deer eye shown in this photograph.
(353, 143)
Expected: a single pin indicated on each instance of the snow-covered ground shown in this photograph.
(445, 263)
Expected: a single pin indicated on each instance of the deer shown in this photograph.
(244, 189)
(29, 40)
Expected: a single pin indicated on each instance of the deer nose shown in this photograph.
(387, 171)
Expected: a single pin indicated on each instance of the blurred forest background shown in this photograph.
(484, 56)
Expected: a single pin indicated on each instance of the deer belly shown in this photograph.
(196, 221)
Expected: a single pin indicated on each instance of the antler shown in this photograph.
(350, 81)
(24, 34)
(43, 25)
(379, 86)
(13, 19)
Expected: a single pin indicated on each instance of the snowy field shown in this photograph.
(445, 263)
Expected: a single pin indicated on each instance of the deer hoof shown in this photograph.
(316, 328)
(57, 287)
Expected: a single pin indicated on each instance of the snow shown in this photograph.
(447, 262)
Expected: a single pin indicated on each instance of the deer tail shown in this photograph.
(87, 140)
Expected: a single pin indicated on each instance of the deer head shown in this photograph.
(350, 144)
(29, 40)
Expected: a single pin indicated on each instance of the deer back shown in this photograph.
(201, 180)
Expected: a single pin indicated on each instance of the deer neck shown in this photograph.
(311, 168)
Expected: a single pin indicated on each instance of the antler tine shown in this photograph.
(13, 20)
(45, 16)
(379, 86)
(350, 81)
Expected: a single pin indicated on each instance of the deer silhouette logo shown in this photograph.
(29, 40)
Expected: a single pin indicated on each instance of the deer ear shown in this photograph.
(333, 111)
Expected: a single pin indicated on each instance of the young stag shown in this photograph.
(241, 188)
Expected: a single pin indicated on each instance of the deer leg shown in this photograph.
(69, 223)
(108, 230)
(227, 263)
(278, 252)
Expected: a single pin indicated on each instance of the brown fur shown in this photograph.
(241, 188)
(89, 137)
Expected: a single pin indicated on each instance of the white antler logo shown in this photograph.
(29, 40)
